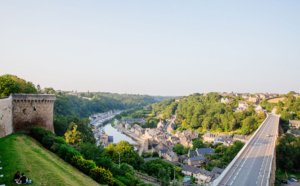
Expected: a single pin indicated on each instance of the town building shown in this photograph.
(138, 130)
(161, 124)
(171, 156)
(294, 124)
(162, 152)
(203, 151)
(171, 127)
(105, 139)
(224, 140)
(201, 176)
(243, 105)
(216, 172)
(241, 138)
(258, 109)
(225, 100)
(209, 137)
(253, 99)
(150, 133)
(195, 161)
(295, 133)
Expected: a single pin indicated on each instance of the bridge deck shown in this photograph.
(253, 166)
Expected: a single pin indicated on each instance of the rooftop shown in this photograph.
(197, 158)
(204, 151)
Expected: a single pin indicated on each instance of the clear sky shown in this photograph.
(153, 47)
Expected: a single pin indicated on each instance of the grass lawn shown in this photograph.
(20, 152)
(276, 100)
(126, 117)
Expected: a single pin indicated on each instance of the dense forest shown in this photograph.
(206, 112)
(288, 153)
(127, 100)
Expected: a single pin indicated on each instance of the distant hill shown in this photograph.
(20, 152)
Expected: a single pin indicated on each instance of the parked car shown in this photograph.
(291, 179)
(283, 181)
(294, 179)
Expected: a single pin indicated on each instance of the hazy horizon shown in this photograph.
(170, 48)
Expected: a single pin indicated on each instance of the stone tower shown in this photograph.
(20, 112)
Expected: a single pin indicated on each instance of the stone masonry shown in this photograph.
(6, 116)
(23, 111)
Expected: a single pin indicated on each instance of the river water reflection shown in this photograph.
(118, 136)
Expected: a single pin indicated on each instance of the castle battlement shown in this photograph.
(20, 112)
(33, 97)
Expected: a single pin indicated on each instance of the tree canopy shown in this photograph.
(10, 84)
(206, 112)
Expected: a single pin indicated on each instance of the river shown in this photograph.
(118, 136)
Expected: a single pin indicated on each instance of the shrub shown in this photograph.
(102, 176)
(55, 147)
(118, 183)
(115, 170)
(104, 162)
(70, 153)
(127, 168)
(90, 151)
(39, 133)
(48, 141)
(62, 151)
(60, 140)
(123, 179)
(82, 164)
(155, 154)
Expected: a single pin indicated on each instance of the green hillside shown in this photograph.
(20, 152)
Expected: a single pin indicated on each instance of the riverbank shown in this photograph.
(117, 133)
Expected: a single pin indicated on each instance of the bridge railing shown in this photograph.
(274, 151)
(219, 179)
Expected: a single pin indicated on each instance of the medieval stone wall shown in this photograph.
(6, 116)
(31, 110)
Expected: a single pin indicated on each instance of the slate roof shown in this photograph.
(195, 170)
(163, 150)
(187, 182)
(193, 154)
(204, 151)
(205, 172)
(294, 132)
(197, 158)
(217, 170)
(110, 139)
(189, 168)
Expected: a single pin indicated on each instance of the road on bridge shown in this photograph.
(253, 166)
